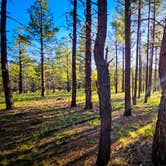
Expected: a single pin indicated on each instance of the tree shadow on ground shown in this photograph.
(61, 136)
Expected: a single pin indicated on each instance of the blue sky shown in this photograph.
(18, 10)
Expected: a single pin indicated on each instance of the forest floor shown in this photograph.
(47, 131)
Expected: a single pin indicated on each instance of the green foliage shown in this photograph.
(94, 122)
(41, 23)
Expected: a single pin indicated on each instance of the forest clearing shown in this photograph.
(83, 83)
(49, 132)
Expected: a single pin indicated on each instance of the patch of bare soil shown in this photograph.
(60, 135)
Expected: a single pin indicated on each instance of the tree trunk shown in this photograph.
(147, 57)
(137, 53)
(127, 57)
(152, 50)
(159, 142)
(123, 68)
(42, 57)
(103, 85)
(88, 100)
(74, 81)
(155, 71)
(140, 69)
(4, 63)
(20, 73)
(67, 72)
(116, 67)
(20, 70)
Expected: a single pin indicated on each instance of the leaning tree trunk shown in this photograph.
(103, 85)
(4, 64)
(159, 142)
(88, 101)
(127, 57)
(74, 81)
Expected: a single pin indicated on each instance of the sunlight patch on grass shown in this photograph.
(25, 146)
(94, 122)
(133, 136)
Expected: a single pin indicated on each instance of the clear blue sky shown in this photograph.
(18, 10)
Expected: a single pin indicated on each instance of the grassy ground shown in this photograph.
(46, 131)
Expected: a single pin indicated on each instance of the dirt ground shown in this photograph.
(49, 132)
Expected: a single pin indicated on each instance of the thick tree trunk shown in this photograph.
(123, 68)
(159, 142)
(116, 67)
(152, 50)
(147, 56)
(74, 81)
(88, 100)
(137, 53)
(103, 85)
(127, 57)
(4, 63)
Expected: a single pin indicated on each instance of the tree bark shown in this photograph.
(116, 67)
(67, 72)
(159, 142)
(123, 67)
(152, 49)
(127, 57)
(42, 56)
(103, 85)
(74, 81)
(20, 71)
(155, 71)
(4, 61)
(88, 100)
(147, 56)
(137, 53)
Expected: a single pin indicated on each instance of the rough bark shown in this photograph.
(159, 142)
(74, 42)
(137, 53)
(152, 49)
(4, 61)
(42, 56)
(140, 89)
(20, 72)
(155, 71)
(123, 68)
(67, 72)
(88, 93)
(103, 85)
(116, 67)
(147, 56)
(127, 57)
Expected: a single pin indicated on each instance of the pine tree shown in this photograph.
(127, 57)
(41, 28)
(159, 142)
(4, 61)
(103, 85)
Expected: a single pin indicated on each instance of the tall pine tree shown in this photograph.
(41, 28)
